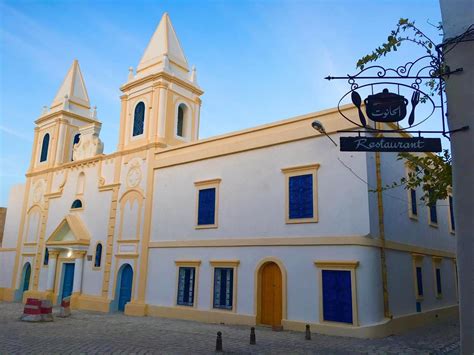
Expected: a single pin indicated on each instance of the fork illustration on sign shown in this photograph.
(415, 98)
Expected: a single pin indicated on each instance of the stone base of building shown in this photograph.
(201, 315)
(90, 303)
(7, 294)
(42, 295)
(380, 330)
(136, 309)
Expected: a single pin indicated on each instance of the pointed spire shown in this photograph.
(72, 88)
(164, 43)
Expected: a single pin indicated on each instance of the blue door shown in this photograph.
(125, 293)
(68, 279)
(26, 277)
(337, 296)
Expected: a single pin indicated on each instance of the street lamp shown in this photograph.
(318, 126)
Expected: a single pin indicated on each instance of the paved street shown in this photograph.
(88, 332)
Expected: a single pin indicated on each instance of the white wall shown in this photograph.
(398, 226)
(252, 194)
(302, 276)
(12, 221)
(401, 284)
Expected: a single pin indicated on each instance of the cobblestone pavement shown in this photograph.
(95, 333)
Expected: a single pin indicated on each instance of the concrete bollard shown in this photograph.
(219, 342)
(46, 311)
(253, 339)
(32, 311)
(65, 310)
(307, 335)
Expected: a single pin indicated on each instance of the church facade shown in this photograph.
(271, 225)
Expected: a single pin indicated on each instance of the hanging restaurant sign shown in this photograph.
(390, 144)
(386, 100)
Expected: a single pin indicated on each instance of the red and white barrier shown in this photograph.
(65, 310)
(46, 311)
(32, 311)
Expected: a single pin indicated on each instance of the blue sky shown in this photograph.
(257, 61)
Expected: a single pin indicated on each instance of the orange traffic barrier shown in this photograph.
(65, 310)
(32, 311)
(46, 311)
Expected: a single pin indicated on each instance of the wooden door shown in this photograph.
(271, 295)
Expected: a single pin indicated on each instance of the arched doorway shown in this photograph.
(125, 286)
(26, 277)
(270, 303)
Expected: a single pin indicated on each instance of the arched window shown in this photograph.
(44, 148)
(76, 204)
(180, 122)
(76, 140)
(80, 183)
(139, 119)
(98, 255)
(46, 257)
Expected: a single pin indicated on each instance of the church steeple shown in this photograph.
(72, 94)
(161, 102)
(164, 51)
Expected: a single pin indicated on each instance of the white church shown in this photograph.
(270, 226)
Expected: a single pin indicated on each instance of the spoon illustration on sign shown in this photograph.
(357, 101)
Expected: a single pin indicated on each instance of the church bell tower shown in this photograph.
(161, 100)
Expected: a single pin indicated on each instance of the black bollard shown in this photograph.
(307, 333)
(253, 340)
(219, 342)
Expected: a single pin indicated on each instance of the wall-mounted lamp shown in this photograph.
(318, 126)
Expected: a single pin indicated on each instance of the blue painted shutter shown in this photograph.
(186, 286)
(179, 128)
(76, 204)
(451, 212)
(207, 206)
(419, 281)
(414, 210)
(98, 255)
(301, 196)
(433, 214)
(337, 296)
(26, 281)
(438, 281)
(223, 287)
(46, 257)
(139, 119)
(44, 148)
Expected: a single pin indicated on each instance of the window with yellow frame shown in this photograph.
(207, 203)
(224, 284)
(301, 194)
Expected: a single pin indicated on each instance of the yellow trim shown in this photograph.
(77, 228)
(258, 287)
(127, 256)
(437, 265)
(418, 262)
(207, 184)
(4, 250)
(187, 263)
(92, 303)
(230, 264)
(297, 171)
(346, 265)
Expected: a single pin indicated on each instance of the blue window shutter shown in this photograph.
(98, 255)
(46, 257)
(419, 281)
(207, 206)
(433, 214)
(301, 196)
(337, 296)
(438, 281)
(186, 278)
(139, 119)
(223, 288)
(414, 210)
(451, 212)
(76, 204)
(44, 148)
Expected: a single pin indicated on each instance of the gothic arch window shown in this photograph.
(76, 140)
(76, 204)
(44, 148)
(139, 119)
(181, 124)
(98, 255)
(80, 183)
